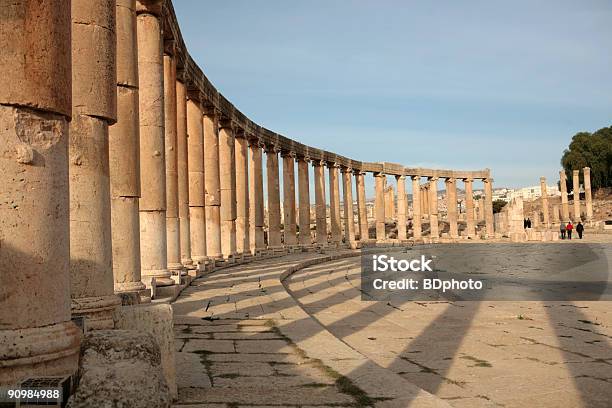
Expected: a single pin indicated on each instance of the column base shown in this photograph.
(162, 277)
(97, 310)
(39, 351)
(126, 287)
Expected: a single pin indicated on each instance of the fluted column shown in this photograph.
(451, 212)
(94, 108)
(379, 206)
(289, 225)
(242, 193)
(576, 187)
(586, 172)
(35, 106)
(153, 246)
(362, 212)
(227, 172)
(256, 197)
(124, 157)
(564, 204)
(182, 159)
(488, 207)
(349, 217)
(320, 206)
(469, 207)
(304, 201)
(195, 166)
(173, 233)
(334, 203)
(416, 207)
(433, 207)
(401, 207)
(544, 195)
(274, 213)
(212, 181)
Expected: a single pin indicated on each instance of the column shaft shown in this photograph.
(35, 106)
(488, 208)
(320, 205)
(416, 207)
(182, 158)
(587, 193)
(469, 208)
(379, 205)
(289, 225)
(334, 204)
(212, 182)
(451, 212)
(274, 215)
(256, 197)
(227, 172)
(349, 216)
(576, 186)
(433, 208)
(304, 202)
(362, 212)
(401, 207)
(242, 194)
(564, 204)
(544, 195)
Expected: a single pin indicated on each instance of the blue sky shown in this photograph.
(448, 84)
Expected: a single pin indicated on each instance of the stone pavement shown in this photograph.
(241, 340)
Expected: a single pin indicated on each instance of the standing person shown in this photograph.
(579, 229)
(562, 230)
(528, 223)
(524, 223)
(569, 229)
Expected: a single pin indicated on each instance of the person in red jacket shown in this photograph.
(569, 227)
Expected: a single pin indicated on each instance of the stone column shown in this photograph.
(242, 193)
(587, 193)
(544, 195)
(173, 232)
(94, 108)
(304, 201)
(535, 219)
(425, 200)
(401, 207)
(349, 217)
(212, 181)
(227, 172)
(334, 203)
(564, 203)
(555, 214)
(469, 207)
(182, 158)
(124, 157)
(451, 214)
(256, 197)
(576, 186)
(362, 213)
(379, 206)
(289, 224)
(320, 206)
(416, 207)
(488, 207)
(433, 207)
(195, 163)
(35, 106)
(153, 246)
(274, 215)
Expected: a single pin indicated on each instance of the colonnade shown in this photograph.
(124, 168)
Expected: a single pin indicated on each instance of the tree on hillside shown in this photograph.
(592, 150)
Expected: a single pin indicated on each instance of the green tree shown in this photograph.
(592, 150)
(498, 205)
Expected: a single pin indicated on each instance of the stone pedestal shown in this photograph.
(304, 202)
(212, 182)
(587, 193)
(401, 207)
(227, 172)
(35, 106)
(564, 204)
(379, 206)
(416, 207)
(242, 194)
(469, 208)
(182, 158)
(289, 225)
(451, 212)
(334, 203)
(349, 218)
(274, 215)
(256, 197)
(361, 206)
(433, 208)
(320, 206)
(576, 187)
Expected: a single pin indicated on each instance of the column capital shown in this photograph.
(358, 172)
(208, 109)
(302, 157)
(331, 164)
(402, 177)
(575, 172)
(346, 169)
(468, 180)
(415, 177)
(490, 179)
(255, 141)
(170, 47)
(450, 180)
(150, 7)
(288, 153)
(227, 123)
(379, 175)
(432, 178)
(239, 132)
(271, 148)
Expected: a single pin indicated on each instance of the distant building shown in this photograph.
(533, 192)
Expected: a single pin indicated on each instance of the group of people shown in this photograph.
(565, 229)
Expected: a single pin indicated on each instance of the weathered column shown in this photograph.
(349, 217)
(289, 225)
(451, 212)
(274, 213)
(362, 213)
(469, 207)
(153, 248)
(35, 106)
(334, 203)
(379, 206)
(416, 207)
(389, 202)
(544, 194)
(555, 214)
(195, 163)
(488, 207)
(227, 172)
(94, 108)
(242, 193)
(256, 197)
(587, 193)
(564, 203)
(124, 157)
(173, 232)
(212, 181)
(433, 207)
(535, 219)
(320, 206)
(304, 201)
(182, 158)
(425, 200)
(576, 186)
(401, 207)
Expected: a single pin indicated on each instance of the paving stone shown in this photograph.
(241, 368)
(263, 346)
(213, 346)
(191, 372)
